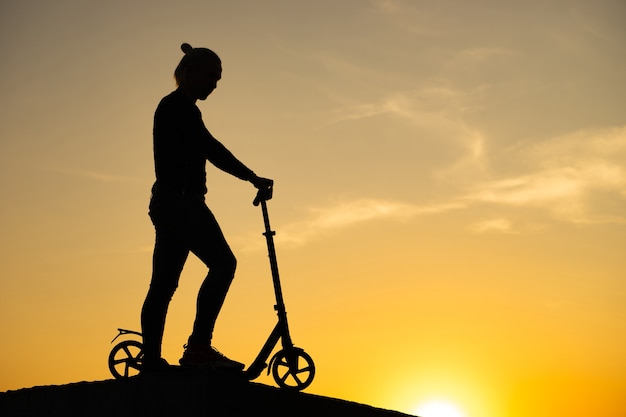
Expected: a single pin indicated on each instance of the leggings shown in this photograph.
(183, 224)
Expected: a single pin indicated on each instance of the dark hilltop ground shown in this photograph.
(182, 394)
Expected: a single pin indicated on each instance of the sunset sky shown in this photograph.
(450, 198)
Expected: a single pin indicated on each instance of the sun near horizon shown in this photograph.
(438, 408)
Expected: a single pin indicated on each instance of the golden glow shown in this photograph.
(449, 203)
(438, 408)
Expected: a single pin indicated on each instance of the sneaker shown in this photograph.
(199, 356)
(149, 365)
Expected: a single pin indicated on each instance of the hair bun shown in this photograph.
(186, 48)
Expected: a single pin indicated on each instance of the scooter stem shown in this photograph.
(269, 237)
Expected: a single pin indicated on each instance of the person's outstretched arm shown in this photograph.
(224, 159)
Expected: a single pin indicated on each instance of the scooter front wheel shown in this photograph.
(293, 369)
(125, 359)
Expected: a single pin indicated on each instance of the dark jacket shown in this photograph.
(182, 145)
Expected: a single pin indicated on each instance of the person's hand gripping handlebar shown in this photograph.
(265, 187)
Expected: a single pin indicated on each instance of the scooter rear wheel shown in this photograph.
(125, 359)
(293, 369)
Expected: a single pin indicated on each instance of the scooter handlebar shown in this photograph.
(263, 194)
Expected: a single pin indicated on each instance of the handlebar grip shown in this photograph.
(263, 194)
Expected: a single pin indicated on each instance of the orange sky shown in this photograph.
(450, 192)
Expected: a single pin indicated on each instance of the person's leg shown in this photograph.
(207, 242)
(205, 239)
(211, 297)
(168, 261)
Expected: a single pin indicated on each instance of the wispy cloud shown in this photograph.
(567, 177)
(92, 175)
(548, 187)
(498, 225)
(431, 106)
(434, 113)
(342, 215)
(348, 214)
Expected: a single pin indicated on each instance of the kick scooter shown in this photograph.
(291, 367)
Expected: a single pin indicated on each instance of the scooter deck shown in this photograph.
(196, 370)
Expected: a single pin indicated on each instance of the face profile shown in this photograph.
(204, 80)
(198, 72)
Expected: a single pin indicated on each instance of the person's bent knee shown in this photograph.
(230, 264)
(226, 264)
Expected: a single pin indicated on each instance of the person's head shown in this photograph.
(198, 71)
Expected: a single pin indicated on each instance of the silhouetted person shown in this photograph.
(183, 222)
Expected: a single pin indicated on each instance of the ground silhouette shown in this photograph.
(177, 394)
